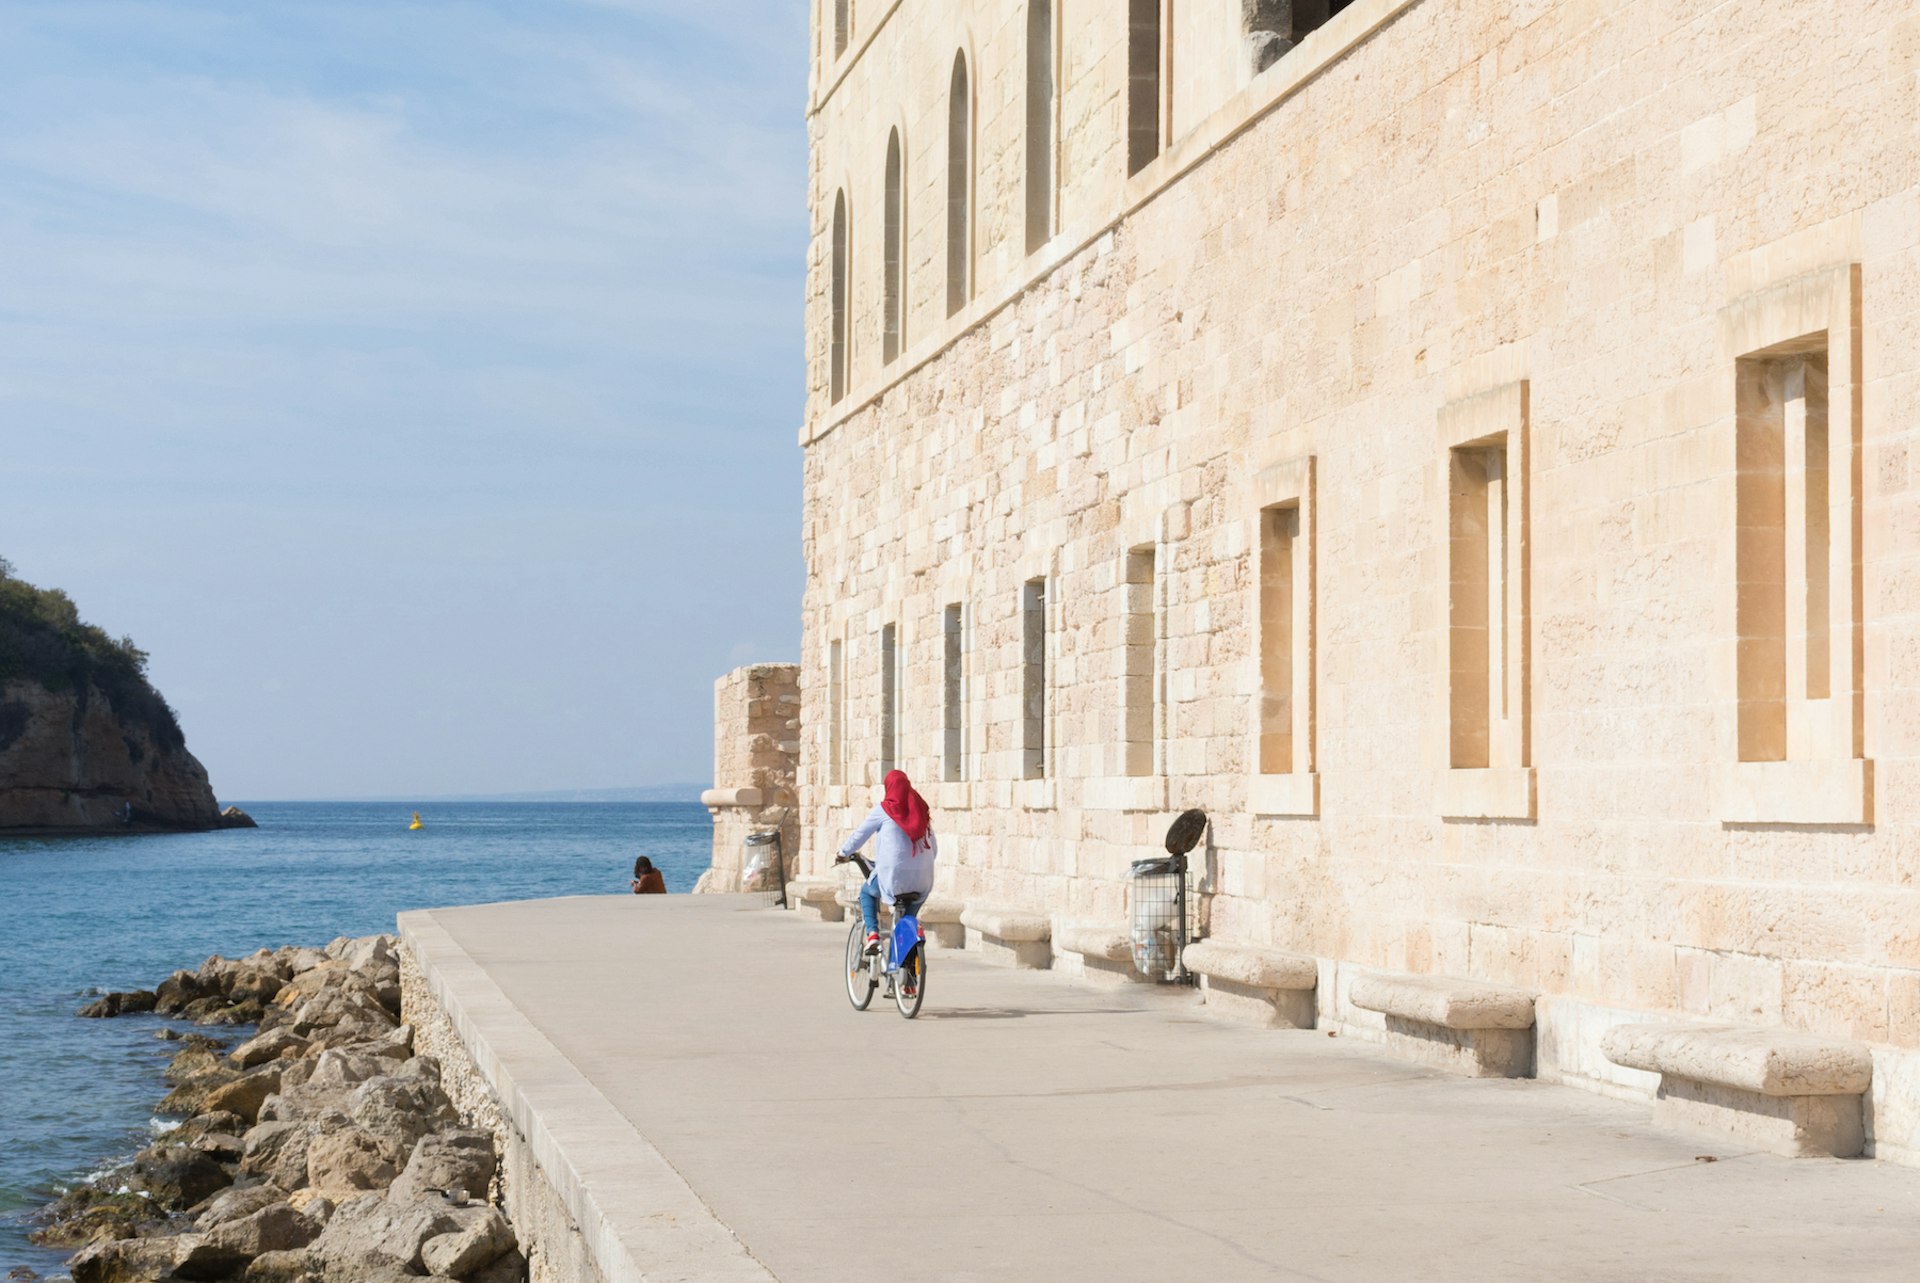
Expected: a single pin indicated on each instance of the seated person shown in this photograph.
(647, 880)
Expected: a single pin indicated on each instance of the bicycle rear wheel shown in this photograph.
(910, 985)
(860, 978)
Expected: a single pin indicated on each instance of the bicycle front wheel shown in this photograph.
(910, 985)
(860, 979)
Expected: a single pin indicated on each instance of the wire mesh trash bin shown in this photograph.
(763, 866)
(1157, 915)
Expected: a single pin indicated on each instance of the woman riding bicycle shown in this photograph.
(903, 852)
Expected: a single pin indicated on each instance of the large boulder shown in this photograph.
(401, 1108)
(394, 1043)
(221, 1147)
(343, 1006)
(245, 1095)
(366, 953)
(119, 1003)
(87, 1214)
(154, 1260)
(262, 1049)
(239, 1202)
(316, 980)
(198, 1055)
(300, 959)
(461, 1158)
(370, 1232)
(344, 1161)
(219, 1010)
(344, 1068)
(482, 1239)
(210, 1123)
(277, 1150)
(511, 1267)
(177, 1176)
(274, 1228)
(173, 994)
(296, 1266)
(191, 1096)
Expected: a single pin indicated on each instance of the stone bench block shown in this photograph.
(1253, 982)
(1100, 952)
(1464, 1026)
(1788, 1092)
(1009, 936)
(818, 897)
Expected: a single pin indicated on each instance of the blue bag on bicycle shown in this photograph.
(906, 934)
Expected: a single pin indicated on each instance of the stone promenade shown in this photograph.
(709, 1107)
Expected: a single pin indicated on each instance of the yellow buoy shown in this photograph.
(416, 822)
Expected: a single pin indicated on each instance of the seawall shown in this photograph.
(591, 1200)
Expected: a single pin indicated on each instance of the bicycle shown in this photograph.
(901, 959)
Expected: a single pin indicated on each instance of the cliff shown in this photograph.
(86, 742)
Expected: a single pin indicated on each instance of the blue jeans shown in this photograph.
(870, 904)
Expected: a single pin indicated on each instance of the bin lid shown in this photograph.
(1186, 831)
(1158, 865)
(762, 838)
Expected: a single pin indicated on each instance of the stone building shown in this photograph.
(1464, 448)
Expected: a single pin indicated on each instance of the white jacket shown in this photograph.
(897, 868)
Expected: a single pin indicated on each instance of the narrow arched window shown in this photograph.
(1144, 55)
(894, 334)
(1040, 108)
(837, 358)
(959, 188)
(841, 25)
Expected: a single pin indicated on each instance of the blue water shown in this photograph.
(78, 914)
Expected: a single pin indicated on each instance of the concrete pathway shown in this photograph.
(1027, 1127)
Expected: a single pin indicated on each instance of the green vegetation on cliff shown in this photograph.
(43, 639)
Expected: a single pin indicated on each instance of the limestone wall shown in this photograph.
(756, 752)
(1562, 227)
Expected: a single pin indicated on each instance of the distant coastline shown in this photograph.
(645, 793)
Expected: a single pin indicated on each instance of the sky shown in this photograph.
(417, 382)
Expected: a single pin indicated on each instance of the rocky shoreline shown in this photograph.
(321, 1149)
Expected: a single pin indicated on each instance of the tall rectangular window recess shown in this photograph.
(1488, 772)
(1041, 187)
(953, 699)
(1146, 106)
(889, 698)
(1285, 779)
(1795, 658)
(836, 713)
(1141, 704)
(1033, 680)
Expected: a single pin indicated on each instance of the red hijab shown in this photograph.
(905, 807)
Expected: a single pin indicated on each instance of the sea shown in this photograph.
(83, 915)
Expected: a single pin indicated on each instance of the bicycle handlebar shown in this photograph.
(866, 865)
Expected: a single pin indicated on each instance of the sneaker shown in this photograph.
(911, 988)
(873, 943)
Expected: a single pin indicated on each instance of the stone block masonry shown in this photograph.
(756, 751)
(1468, 456)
